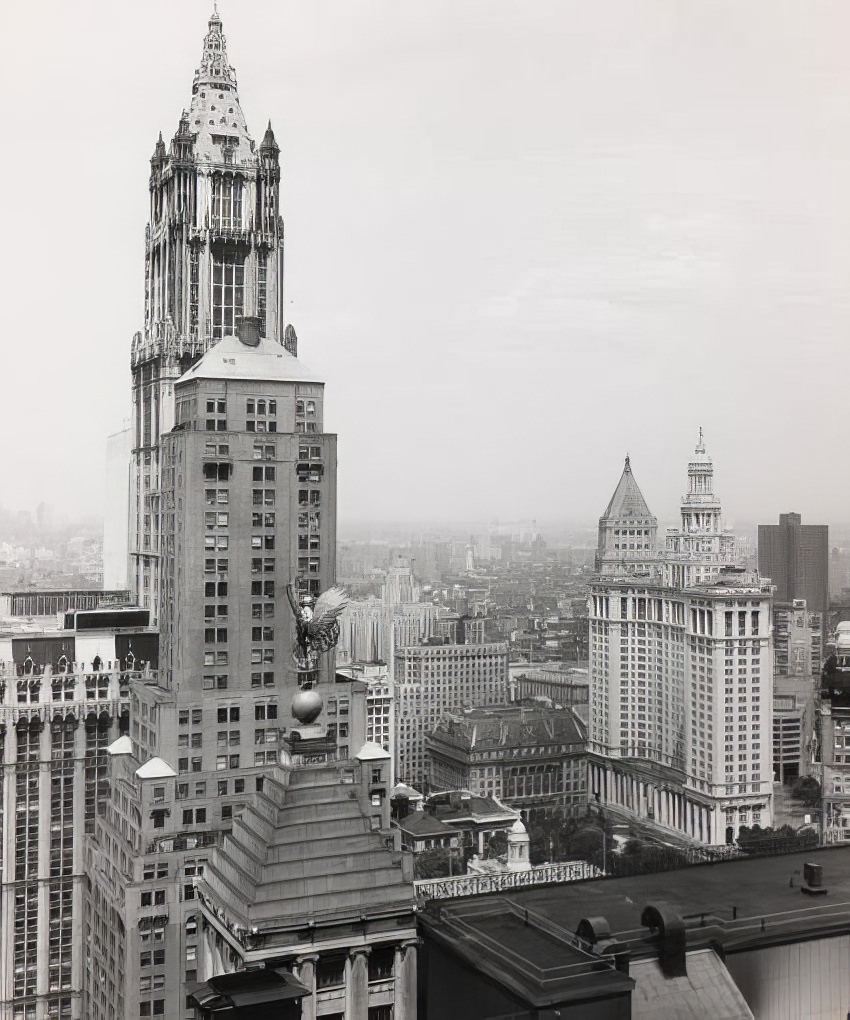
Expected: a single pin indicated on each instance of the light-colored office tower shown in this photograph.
(628, 531)
(377, 679)
(434, 679)
(681, 682)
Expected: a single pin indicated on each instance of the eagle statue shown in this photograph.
(316, 624)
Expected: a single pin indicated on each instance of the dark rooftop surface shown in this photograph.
(540, 962)
(530, 932)
(420, 823)
(758, 887)
(470, 807)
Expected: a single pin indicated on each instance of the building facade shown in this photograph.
(213, 253)
(380, 701)
(433, 679)
(530, 759)
(233, 509)
(333, 906)
(628, 531)
(64, 698)
(835, 736)
(681, 683)
(795, 556)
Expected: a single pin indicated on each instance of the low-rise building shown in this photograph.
(532, 759)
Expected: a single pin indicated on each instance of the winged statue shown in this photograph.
(316, 624)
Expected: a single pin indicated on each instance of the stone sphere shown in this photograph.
(306, 706)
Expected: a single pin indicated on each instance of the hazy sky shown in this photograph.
(523, 238)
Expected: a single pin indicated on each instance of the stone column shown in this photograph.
(405, 981)
(305, 971)
(218, 959)
(357, 985)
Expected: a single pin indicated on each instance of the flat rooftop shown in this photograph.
(539, 962)
(738, 903)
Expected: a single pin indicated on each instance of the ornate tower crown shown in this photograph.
(213, 260)
(215, 68)
(215, 117)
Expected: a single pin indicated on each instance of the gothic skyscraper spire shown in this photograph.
(213, 254)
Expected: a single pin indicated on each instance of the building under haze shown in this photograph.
(795, 556)
(681, 672)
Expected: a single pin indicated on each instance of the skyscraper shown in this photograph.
(64, 698)
(795, 556)
(680, 668)
(233, 498)
(213, 253)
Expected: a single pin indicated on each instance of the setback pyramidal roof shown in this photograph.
(627, 500)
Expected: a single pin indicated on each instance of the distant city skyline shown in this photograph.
(561, 231)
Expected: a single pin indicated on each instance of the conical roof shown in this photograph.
(215, 117)
(627, 501)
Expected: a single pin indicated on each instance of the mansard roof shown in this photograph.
(627, 501)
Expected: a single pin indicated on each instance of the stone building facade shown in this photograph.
(234, 500)
(681, 681)
(433, 679)
(213, 253)
(64, 698)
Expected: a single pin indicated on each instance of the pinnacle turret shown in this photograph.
(159, 151)
(215, 69)
(268, 143)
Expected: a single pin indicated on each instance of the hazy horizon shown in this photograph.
(522, 241)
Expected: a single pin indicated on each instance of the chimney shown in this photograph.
(248, 330)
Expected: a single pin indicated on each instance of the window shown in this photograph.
(228, 294)
(330, 972)
(227, 202)
(381, 963)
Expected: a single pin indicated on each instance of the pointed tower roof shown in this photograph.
(215, 116)
(268, 142)
(627, 500)
(700, 456)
